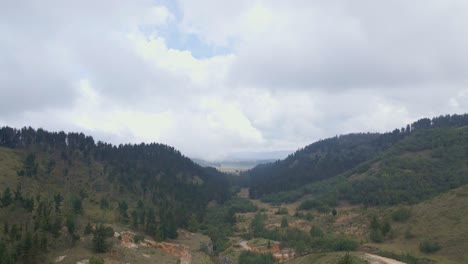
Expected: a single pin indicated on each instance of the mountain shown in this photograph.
(51, 180)
(407, 165)
(65, 195)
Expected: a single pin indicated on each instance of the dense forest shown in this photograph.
(388, 173)
(151, 187)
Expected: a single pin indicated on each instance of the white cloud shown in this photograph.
(296, 72)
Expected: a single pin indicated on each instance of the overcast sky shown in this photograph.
(219, 78)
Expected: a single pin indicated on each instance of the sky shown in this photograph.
(218, 79)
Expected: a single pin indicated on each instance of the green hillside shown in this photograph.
(405, 166)
(401, 195)
(441, 219)
(51, 182)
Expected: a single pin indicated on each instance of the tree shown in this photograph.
(30, 165)
(231, 216)
(7, 198)
(88, 229)
(386, 227)
(104, 204)
(375, 224)
(77, 206)
(71, 227)
(334, 212)
(134, 215)
(100, 244)
(58, 202)
(258, 225)
(315, 231)
(123, 207)
(284, 222)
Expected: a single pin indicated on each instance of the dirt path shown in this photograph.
(374, 259)
(244, 245)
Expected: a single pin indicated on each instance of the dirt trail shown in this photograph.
(374, 259)
(177, 250)
(244, 245)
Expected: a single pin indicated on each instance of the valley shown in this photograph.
(397, 197)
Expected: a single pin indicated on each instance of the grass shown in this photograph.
(441, 219)
(327, 258)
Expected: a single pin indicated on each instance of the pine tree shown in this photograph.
(7, 198)
(284, 222)
(99, 240)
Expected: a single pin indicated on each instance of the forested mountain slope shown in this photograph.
(406, 165)
(52, 180)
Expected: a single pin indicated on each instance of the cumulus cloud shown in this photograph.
(290, 72)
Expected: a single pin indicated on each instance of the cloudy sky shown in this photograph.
(220, 78)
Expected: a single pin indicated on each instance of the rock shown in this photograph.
(60, 258)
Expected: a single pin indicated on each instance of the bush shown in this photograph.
(345, 244)
(401, 214)
(248, 257)
(376, 235)
(88, 229)
(100, 245)
(138, 238)
(346, 259)
(108, 231)
(282, 211)
(429, 246)
(315, 231)
(241, 205)
(96, 260)
(409, 233)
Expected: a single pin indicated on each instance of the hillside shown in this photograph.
(408, 165)
(399, 195)
(440, 219)
(50, 181)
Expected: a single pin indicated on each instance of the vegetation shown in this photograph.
(248, 257)
(427, 246)
(59, 187)
(407, 165)
(61, 179)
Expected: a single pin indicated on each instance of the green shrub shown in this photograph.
(409, 233)
(376, 235)
(88, 229)
(429, 246)
(401, 214)
(346, 259)
(96, 260)
(315, 231)
(282, 211)
(345, 244)
(248, 257)
(138, 238)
